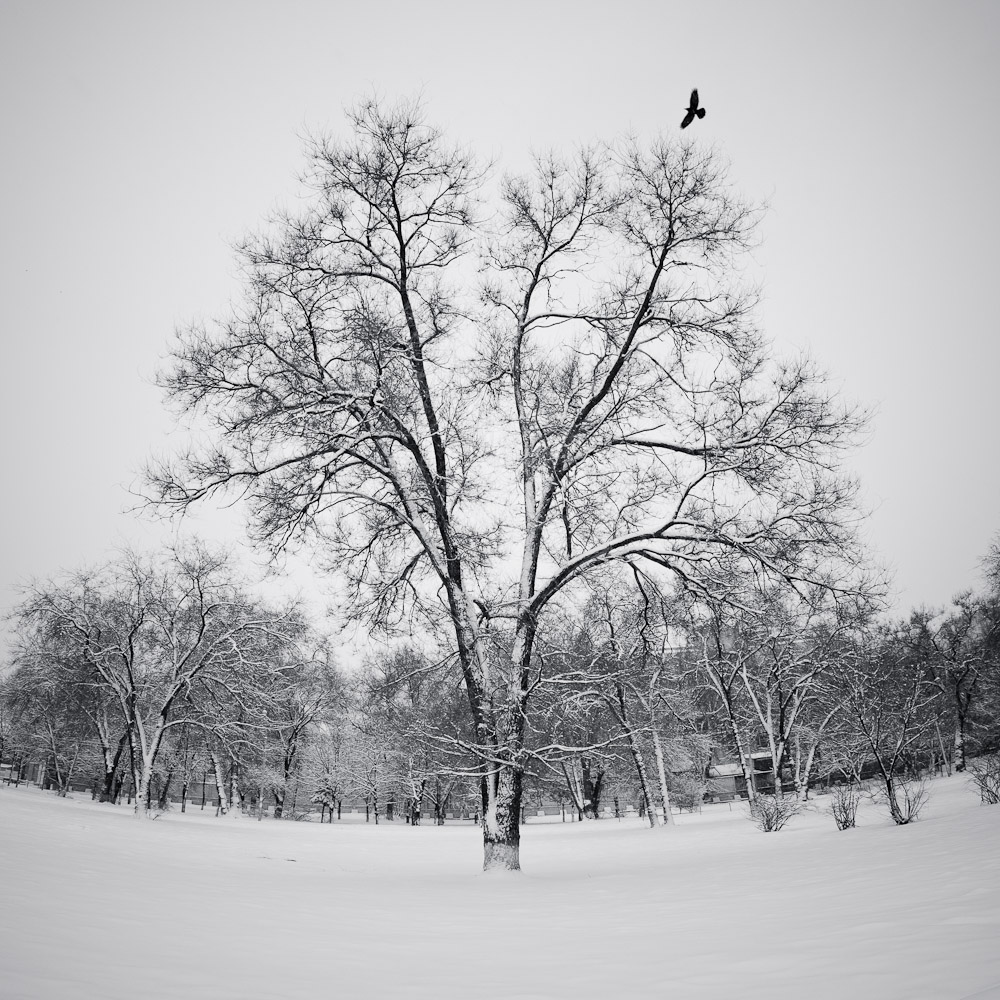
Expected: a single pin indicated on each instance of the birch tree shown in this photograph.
(470, 395)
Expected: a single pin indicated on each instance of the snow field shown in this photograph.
(97, 904)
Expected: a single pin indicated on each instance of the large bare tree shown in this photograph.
(469, 394)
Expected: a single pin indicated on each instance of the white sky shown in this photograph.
(139, 141)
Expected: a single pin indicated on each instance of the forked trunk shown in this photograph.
(143, 797)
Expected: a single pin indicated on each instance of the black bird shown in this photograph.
(693, 110)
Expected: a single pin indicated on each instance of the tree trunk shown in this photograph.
(501, 826)
(143, 790)
(803, 770)
(640, 769)
(72, 767)
(621, 711)
(220, 783)
(575, 791)
(778, 751)
(165, 791)
(149, 755)
(662, 775)
(959, 756)
(111, 765)
(945, 759)
(234, 788)
(591, 788)
(890, 793)
(749, 776)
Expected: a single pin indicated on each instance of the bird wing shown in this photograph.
(694, 98)
(688, 118)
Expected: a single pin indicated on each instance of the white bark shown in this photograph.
(662, 774)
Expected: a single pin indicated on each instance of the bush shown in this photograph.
(906, 798)
(771, 812)
(985, 775)
(844, 801)
(687, 791)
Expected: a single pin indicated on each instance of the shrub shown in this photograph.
(687, 791)
(905, 798)
(985, 775)
(771, 812)
(844, 801)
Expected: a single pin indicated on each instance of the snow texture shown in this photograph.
(97, 904)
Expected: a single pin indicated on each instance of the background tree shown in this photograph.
(954, 644)
(144, 633)
(889, 698)
(53, 720)
(724, 640)
(304, 690)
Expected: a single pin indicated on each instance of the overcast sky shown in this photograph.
(140, 141)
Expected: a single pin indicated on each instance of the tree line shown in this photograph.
(149, 678)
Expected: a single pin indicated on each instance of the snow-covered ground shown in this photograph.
(96, 904)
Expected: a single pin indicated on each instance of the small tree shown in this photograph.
(889, 702)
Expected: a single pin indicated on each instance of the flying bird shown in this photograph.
(693, 110)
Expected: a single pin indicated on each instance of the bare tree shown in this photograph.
(786, 680)
(145, 633)
(955, 646)
(889, 701)
(304, 689)
(724, 640)
(47, 703)
(469, 413)
(624, 661)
